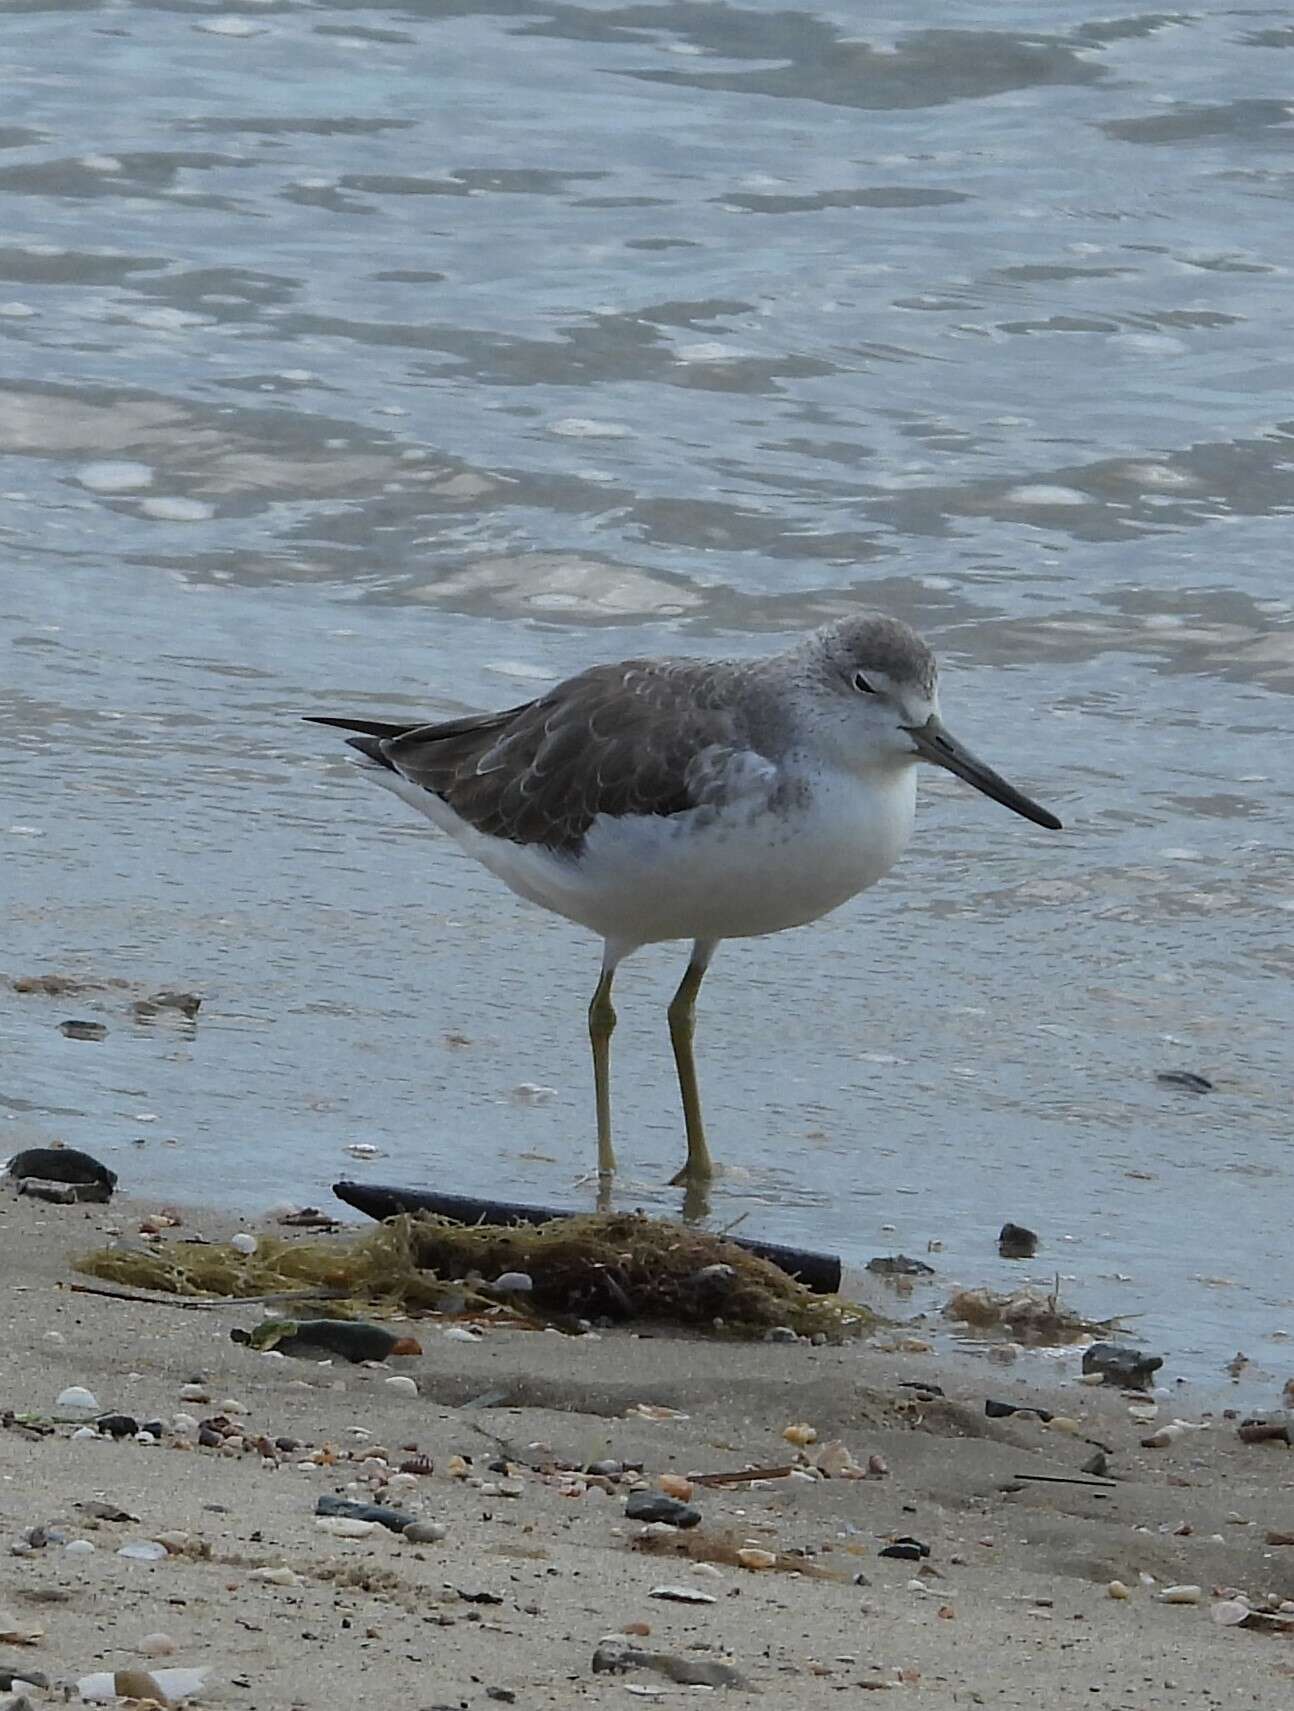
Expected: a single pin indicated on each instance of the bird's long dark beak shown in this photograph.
(935, 744)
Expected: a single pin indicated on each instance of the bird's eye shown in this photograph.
(862, 685)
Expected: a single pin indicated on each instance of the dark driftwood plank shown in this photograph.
(820, 1272)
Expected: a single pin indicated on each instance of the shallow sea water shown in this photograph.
(404, 359)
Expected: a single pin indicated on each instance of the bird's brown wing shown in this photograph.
(640, 737)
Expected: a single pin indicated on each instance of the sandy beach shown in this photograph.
(539, 1566)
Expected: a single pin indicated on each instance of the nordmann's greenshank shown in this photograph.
(691, 799)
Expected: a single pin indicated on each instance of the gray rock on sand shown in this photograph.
(425, 1532)
(613, 1659)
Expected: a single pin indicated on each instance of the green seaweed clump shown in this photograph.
(618, 1266)
(347, 1277)
(625, 1267)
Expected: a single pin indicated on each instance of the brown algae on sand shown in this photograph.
(620, 1266)
(1028, 1315)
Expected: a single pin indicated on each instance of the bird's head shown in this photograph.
(883, 687)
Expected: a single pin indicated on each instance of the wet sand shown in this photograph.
(1009, 1609)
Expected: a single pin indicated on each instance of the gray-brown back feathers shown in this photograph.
(639, 737)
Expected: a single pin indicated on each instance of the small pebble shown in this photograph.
(514, 1283)
(1181, 1595)
(156, 1646)
(1117, 1589)
(425, 1532)
(194, 1393)
(78, 1548)
(674, 1485)
(751, 1557)
(403, 1385)
(801, 1434)
(243, 1243)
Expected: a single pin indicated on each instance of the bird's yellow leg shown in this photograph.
(602, 1021)
(699, 1167)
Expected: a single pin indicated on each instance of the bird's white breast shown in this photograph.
(729, 872)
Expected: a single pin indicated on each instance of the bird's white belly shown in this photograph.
(707, 873)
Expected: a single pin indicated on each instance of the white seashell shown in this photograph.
(346, 1526)
(1230, 1613)
(459, 1334)
(244, 1243)
(1181, 1595)
(78, 1548)
(77, 1396)
(88, 1432)
(101, 1687)
(404, 1385)
(277, 1576)
(683, 1595)
(143, 1550)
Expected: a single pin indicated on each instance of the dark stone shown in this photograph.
(906, 1549)
(61, 1164)
(1002, 1410)
(13, 1677)
(154, 1428)
(655, 1506)
(899, 1265)
(1014, 1241)
(1119, 1364)
(393, 1519)
(1186, 1078)
(76, 1029)
(117, 1425)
